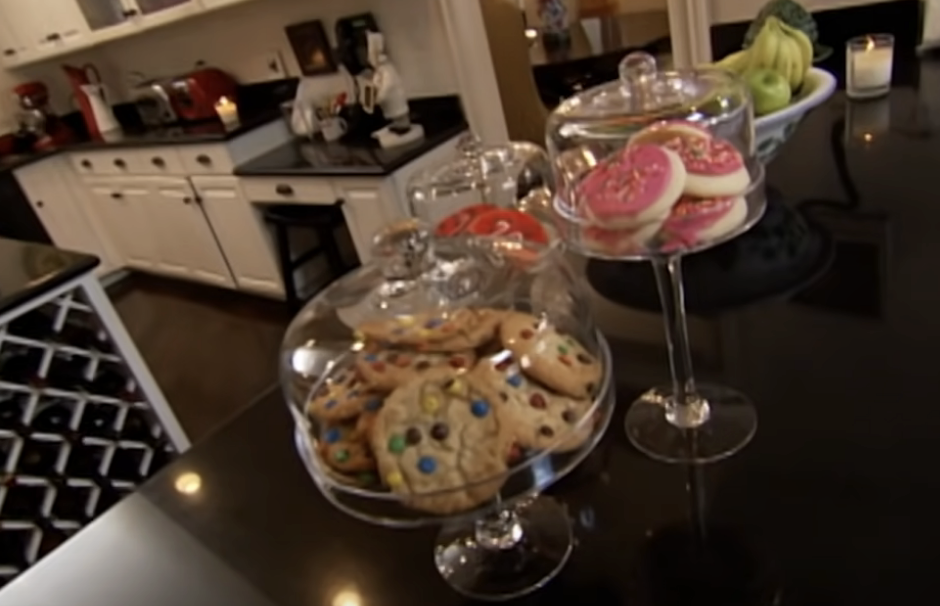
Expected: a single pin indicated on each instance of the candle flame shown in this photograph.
(869, 44)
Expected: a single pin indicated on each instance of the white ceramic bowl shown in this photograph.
(774, 129)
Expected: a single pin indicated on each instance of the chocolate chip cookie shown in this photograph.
(441, 442)
(343, 397)
(552, 358)
(387, 369)
(538, 417)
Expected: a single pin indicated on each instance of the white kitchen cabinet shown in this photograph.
(13, 46)
(241, 233)
(213, 4)
(151, 13)
(368, 207)
(186, 245)
(46, 25)
(121, 210)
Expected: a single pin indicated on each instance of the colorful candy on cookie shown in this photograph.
(714, 167)
(635, 186)
(695, 220)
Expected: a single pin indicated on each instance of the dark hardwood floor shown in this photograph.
(211, 350)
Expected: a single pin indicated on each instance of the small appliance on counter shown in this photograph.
(384, 88)
(92, 98)
(193, 96)
(36, 119)
(152, 101)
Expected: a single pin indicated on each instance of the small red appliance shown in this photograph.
(193, 96)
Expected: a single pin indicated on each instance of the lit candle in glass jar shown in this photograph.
(228, 112)
(869, 61)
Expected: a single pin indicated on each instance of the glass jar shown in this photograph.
(494, 332)
(516, 176)
(658, 162)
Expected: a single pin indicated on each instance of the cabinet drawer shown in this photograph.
(206, 160)
(303, 190)
(159, 161)
(122, 162)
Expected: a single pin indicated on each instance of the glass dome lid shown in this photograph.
(655, 163)
(487, 326)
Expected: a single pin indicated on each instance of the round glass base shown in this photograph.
(729, 424)
(510, 554)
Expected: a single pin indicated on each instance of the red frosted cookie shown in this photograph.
(635, 186)
(508, 223)
(457, 223)
(695, 220)
(714, 167)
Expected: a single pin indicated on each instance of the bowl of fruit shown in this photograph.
(778, 68)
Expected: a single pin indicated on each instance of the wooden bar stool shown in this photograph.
(323, 220)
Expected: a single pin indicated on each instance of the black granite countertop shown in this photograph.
(832, 503)
(441, 118)
(28, 270)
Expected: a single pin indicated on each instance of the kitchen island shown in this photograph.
(82, 421)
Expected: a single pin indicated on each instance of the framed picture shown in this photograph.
(311, 48)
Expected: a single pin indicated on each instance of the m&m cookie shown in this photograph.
(343, 397)
(386, 369)
(537, 416)
(554, 359)
(637, 185)
(441, 442)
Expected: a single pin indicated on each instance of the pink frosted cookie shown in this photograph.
(715, 167)
(616, 242)
(695, 220)
(635, 186)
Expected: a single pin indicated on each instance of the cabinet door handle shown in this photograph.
(197, 199)
(39, 203)
(120, 164)
(131, 12)
(159, 162)
(53, 37)
(117, 195)
(204, 160)
(9, 52)
(284, 189)
(187, 200)
(86, 163)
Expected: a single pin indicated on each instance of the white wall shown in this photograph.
(239, 38)
(730, 11)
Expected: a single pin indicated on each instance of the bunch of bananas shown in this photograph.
(784, 49)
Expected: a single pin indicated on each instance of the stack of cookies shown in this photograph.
(438, 408)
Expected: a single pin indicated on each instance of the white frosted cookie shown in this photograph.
(537, 416)
(552, 358)
(441, 442)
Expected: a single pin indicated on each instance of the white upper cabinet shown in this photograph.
(157, 12)
(13, 47)
(46, 25)
(210, 4)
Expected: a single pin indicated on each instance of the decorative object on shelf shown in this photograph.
(555, 22)
(869, 61)
(489, 336)
(388, 92)
(82, 423)
(311, 47)
(228, 113)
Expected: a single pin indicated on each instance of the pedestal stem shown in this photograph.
(500, 530)
(685, 409)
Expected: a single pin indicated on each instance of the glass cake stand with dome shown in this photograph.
(501, 539)
(655, 166)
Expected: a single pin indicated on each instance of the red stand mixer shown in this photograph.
(37, 119)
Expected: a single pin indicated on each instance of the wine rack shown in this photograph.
(77, 430)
